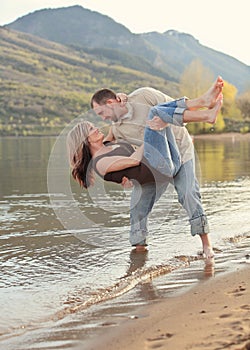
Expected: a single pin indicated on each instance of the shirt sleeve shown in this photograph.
(150, 96)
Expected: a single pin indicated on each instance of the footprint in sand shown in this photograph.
(245, 307)
(246, 347)
(225, 315)
(157, 342)
(238, 292)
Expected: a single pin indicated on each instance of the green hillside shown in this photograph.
(165, 55)
(53, 60)
(44, 85)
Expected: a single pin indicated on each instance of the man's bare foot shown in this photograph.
(213, 93)
(140, 248)
(212, 113)
(208, 252)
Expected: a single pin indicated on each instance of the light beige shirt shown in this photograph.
(131, 126)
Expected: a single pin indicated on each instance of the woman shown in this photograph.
(157, 159)
(112, 160)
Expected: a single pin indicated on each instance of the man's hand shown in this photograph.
(157, 123)
(126, 183)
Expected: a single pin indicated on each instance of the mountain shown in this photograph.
(44, 85)
(165, 55)
(88, 30)
(180, 49)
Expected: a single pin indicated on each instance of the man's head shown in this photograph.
(105, 104)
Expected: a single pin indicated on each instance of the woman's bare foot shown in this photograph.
(204, 115)
(212, 113)
(213, 93)
(209, 98)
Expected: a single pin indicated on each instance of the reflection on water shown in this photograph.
(52, 280)
(23, 165)
(223, 159)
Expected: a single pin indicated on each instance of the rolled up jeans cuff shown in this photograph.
(199, 225)
(179, 110)
(138, 237)
(181, 103)
(178, 116)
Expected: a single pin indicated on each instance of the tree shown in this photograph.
(243, 102)
(195, 80)
(229, 108)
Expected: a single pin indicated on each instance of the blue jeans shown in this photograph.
(170, 112)
(160, 148)
(144, 197)
(161, 151)
(188, 190)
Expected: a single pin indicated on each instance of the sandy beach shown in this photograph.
(212, 315)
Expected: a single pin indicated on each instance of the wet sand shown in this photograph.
(213, 315)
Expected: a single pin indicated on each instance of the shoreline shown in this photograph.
(212, 315)
(223, 136)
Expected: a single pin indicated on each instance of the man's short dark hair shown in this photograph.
(101, 96)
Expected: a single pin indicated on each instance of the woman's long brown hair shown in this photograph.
(79, 154)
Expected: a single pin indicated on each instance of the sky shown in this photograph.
(218, 24)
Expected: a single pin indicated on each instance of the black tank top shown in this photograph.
(142, 173)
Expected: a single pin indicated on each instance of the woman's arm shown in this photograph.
(156, 123)
(110, 136)
(116, 163)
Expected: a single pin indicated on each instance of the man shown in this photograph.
(128, 122)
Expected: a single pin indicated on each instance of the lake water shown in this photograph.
(67, 269)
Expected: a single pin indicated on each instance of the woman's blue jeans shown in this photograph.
(160, 148)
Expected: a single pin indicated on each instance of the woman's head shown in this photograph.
(79, 153)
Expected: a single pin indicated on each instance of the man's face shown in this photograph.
(105, 111)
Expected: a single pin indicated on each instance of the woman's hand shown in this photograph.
(157, 123)
(126, 183)
(123, 98)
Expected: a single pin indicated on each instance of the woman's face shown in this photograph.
(94, 134)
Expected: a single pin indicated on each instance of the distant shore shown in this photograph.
(212, 315)
(228, 135)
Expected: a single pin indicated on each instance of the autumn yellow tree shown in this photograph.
(195, 80)
(243, 102)
(229, 108)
